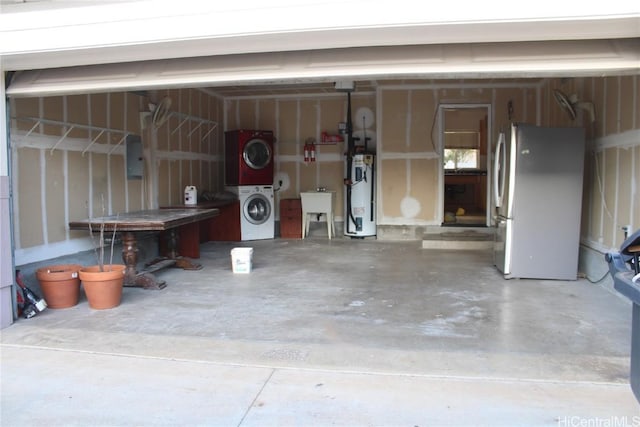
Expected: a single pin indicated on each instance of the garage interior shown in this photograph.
(322, 331)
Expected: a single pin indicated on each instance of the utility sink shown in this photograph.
(624, 267)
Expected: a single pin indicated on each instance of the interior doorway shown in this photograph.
(466, 164)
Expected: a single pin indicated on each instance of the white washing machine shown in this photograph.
(257, 216)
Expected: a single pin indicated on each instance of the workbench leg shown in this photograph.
(129, 255)
(130, 258)
(172, 248)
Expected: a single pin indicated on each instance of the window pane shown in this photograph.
(460, 158)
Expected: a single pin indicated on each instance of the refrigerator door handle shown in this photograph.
(499, 171)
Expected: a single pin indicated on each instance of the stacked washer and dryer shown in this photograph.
(249, 175)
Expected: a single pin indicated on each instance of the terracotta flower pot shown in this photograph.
(103, 288)
(60, 284)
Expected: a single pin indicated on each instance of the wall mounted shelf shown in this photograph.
(71, 126)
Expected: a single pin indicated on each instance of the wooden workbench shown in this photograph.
(182, 225)
(224, 227)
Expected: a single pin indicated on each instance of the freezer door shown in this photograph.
(499, 165)
(504, 172)
(547, 203)
(502, 247)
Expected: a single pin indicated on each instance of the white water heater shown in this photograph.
(360, 203)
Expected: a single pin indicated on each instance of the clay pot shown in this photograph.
(60, 284)
(103, 288)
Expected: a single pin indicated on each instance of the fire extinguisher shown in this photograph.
(310, 150)
(307, 152)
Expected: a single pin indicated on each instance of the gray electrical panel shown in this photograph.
(134, 157)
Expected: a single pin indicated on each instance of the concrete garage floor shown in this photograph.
(337, 332)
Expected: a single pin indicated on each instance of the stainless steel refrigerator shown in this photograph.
(538, 174)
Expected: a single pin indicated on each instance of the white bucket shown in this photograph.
(190, 195)
(241, 259)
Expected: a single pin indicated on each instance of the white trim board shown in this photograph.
(626, 139)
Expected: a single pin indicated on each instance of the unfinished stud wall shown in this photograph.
(293, 119)
(612, 163)
(405, 134)
(189, 146)
(68, 161)
(409, 150)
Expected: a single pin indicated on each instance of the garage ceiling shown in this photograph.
(289, 71)
(286, 46)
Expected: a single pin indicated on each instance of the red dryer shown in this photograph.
(248, 157)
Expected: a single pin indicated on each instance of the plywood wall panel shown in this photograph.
(625, 177)
(599, 100)
(134, 106)
(267, 115)
(25, 107)
(203, 175)
(424, 190)
(308, 120)
(99, 182)
(53, 108)
(628, 93)
(517, 99)
(180, 99)
(164, 138)
(423, 109)
(30, 191)
(501, 109)
(394, 187)
(288, 125)
(332, 178)
(116, 107)
(55, 197)
(192, 109)
(597, 209)
(529, 106)
(612, 111)
(394, 122)
(231, 117)
(610, 189)
(308, 175)
(99, 110)
(217, 174)
(118, 184)
(177, 190)
(331, 115)
(136, 190)
(77, 113)
(185, 177)
(173, 134)
(79, 181)
(588, 88)
(585, 218)
(246, 114)
(196, 177)
(164, 190)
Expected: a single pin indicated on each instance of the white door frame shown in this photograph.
(441, 108)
